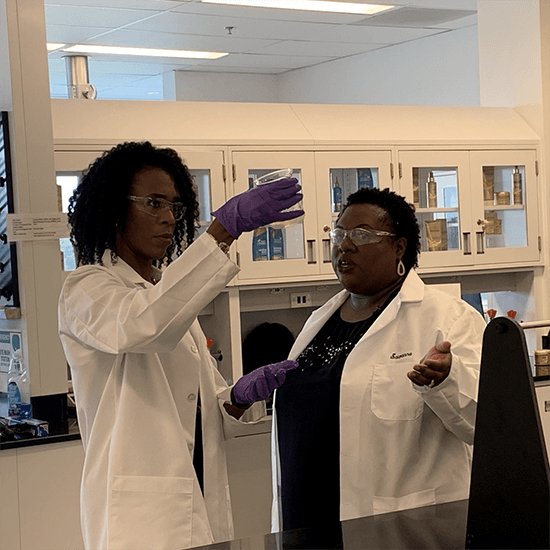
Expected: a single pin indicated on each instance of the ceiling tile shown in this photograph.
(212, 25)
(414, 17)
(316, 49)
(85, 16)
(72, 35)
(273, 61)
(446, 4)
(154, 5)
(179, 41)
(375, 35)
(239, 70)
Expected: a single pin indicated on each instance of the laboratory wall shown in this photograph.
(198, 86)
(439, 70)
(5, 77)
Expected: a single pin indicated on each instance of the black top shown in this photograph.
(307, 406)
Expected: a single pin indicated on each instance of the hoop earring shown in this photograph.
(401, 268)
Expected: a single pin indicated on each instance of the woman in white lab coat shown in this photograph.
(140, 366)
(370, 422)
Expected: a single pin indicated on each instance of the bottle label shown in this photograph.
(259, 245)
(337, 198)
(276, 244)
(14, 399)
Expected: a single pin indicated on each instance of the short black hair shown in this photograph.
(99, 204)
(400, 214)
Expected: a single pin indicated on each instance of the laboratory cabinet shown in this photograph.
(302, 250)
(334, 150)
(475, 208)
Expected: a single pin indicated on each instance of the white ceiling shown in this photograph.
(261, 41)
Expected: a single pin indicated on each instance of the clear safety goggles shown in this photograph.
(358, 236)
(157, 207)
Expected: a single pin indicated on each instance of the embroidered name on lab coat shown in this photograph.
(401, 355)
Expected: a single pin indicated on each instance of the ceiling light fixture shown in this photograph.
(51, 46)
(144, 52)
(309, 5)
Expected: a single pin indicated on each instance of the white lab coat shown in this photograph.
(139, 360)
(402, 446)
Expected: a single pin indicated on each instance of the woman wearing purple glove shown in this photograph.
(152, 406)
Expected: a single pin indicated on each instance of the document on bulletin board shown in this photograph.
(9, 341)
(37, 227)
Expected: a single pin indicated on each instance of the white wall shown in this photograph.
(439, 70)
(5, 80)
(198, 86)
(510, 53)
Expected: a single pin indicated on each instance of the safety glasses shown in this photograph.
(157, 207)
(358, 236)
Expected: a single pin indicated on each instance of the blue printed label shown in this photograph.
(14, 399)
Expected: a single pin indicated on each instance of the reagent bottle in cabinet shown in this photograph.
(337, 196)
(364, 178)
(517, 186)
(259, 245)
(276, 244)
(19, 391)
(432, 191)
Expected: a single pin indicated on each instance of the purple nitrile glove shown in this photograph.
(260, 383)
(260, 206)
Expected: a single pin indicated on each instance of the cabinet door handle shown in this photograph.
(466, 243)
(311, 257)
(480, 242)
(326, 251)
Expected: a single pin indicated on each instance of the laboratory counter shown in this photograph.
(437, 527)
(72, 435)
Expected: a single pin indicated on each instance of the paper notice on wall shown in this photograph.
(37, 227)
(9, 341)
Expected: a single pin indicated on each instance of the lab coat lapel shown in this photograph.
(411, 291)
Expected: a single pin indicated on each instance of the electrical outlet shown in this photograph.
(300, 299)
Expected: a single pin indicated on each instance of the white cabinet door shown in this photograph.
(504, 206)
(327, 179)
(438, 184)
(276, 255)
(475, 208)
(339, 174)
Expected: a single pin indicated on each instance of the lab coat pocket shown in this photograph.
(383, 505)
(392, 395)
(149, 512)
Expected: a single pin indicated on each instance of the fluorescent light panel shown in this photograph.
(308, 5)
(51, 46)
(144, 52)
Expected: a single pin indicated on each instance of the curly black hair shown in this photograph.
(400, 214)
(99, 205)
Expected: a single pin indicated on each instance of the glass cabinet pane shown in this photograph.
(67, 183)
(269, 243)
(435, 197)
(345, 181)
(203, 180)
(504, 223)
